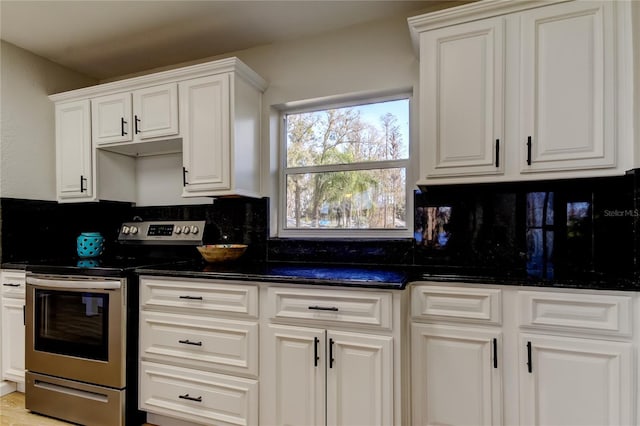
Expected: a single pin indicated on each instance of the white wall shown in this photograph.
(27, 146)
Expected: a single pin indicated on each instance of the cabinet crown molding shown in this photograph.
(232, 64)
(469, 12)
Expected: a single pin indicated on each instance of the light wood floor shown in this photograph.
(13, 413)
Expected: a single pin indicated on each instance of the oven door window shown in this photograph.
(72, 323)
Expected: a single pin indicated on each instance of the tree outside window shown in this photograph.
(346, 168)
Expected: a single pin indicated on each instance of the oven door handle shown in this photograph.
(74, 284)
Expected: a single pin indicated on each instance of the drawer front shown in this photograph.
(200, 342)
(352, 307)
(197, 396)
(608, 314)
(202, 296)
(467, 304)
(13, 283)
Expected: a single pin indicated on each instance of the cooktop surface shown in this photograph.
(109, 265)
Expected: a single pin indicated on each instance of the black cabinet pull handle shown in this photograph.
(316, 358)
(495, 353)
(11, 285)
(82, 181)
(497, 152)
(529, 151)
(529, 361)
(323, 308)
(184, 176)
(190, 398)
(191, 297)
(24, 315)
(331, 360)
(189, 342)
(122, 123)
(137, 120)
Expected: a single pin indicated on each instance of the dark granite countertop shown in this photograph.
(587, 281)
(369, 276)
(20, 266)
(307, 274)
(388, 277)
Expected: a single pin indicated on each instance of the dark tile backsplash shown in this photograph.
(543, 229)
(33, 230)
(351, 251)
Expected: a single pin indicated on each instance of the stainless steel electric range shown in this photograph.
(81, 351)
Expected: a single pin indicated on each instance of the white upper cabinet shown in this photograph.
(143, 114)
(220, 117)
(111, 118)
(208, 114)
(73, 151)
(525, 90)
(567, 87)
(205, 155)
(155, 111)
(462, 98)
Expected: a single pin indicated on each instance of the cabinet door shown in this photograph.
(111, 118)
(359, 379)
(568, 381)
(293, 378)
(567, 87)
(457, 375)
(13, 339)
(462, 99)
(155, 111)
(205, 113)
(73, 150)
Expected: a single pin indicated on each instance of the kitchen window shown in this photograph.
(344, 169)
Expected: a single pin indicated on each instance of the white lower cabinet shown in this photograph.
(457, 376)
(297, 376)
(332, 357)
(12, 302)
(492, 355)
(327, 377)
(198, 351)
(569, 381)
(359, 379)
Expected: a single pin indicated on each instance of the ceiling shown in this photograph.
(108, 38)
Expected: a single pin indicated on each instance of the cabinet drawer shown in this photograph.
(471, 304)
(597, 313)
(197, 396)
(13, 283)
(200, 342)
(199, 296)
(352, 307)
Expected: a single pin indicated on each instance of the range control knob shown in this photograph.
(194, 229)
(133, 230)
(177, 229)
(185, 229)
(125, 230)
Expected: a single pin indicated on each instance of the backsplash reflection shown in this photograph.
(544, 229)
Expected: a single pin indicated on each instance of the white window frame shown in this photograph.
(283, 171)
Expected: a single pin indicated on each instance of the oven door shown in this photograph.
(75, 328)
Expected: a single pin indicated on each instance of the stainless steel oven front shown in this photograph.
(75, 352)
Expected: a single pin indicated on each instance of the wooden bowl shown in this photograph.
(222, 252)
